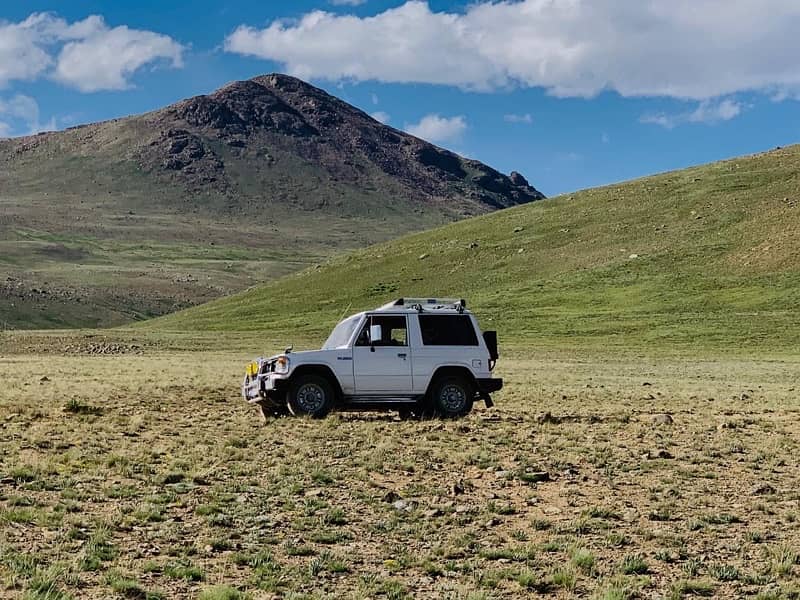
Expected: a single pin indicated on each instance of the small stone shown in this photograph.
(518, 229)
(536, 476)
(663, 419)
(458, 488)
(629, 516)
(547, 417)
(763, 489)
(402, 505)
(45, 379)
(521, 250)
(391, 496)
(632, 256)
(423, 256)
(434, 512)
(492, 522)
(473, 245)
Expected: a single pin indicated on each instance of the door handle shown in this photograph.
(402, 354)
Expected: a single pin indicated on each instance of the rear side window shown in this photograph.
(447, 330)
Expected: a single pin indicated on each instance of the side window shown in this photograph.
(394, 331)
(447, 330)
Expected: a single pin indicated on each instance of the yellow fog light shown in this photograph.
(252, 369)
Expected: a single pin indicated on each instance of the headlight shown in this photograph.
(282, 365)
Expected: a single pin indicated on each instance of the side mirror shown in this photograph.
(375, 334)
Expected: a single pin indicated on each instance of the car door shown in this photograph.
(383, 366)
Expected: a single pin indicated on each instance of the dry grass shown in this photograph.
(146, 476)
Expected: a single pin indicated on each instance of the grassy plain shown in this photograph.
(142, 474)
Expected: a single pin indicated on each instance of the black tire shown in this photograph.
(452, 396)
(310, 396)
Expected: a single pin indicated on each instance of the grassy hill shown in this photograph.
(119, 221)
(705, 258)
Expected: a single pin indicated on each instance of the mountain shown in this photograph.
(705, 258)
(117, 221)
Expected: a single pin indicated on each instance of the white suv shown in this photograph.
(418, 356)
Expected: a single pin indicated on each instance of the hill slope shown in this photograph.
(121, 220)
(708, 257)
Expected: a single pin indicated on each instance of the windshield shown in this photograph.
(342, 333)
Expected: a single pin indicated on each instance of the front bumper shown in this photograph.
(263, 388)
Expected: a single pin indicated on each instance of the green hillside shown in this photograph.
(705, 258)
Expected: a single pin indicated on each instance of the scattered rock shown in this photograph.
(44, 379)
(459, 488)
(658, 454)
(423, 256)
(629, 516)
(403, 505)
(390, 496)
(535, 476)
(763, 489)
(547, 417)
(433, 512)
(663, 419)
(473, 245)
(518, 229)
(632, 256)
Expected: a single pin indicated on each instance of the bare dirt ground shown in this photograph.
(143, 475)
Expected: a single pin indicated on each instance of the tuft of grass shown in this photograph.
(77, 407)
(128, 587)
(584, 560)
(222, 592)
(724, 572)
(634, 564)
(691, 587)
(183, 569)
(564, 577)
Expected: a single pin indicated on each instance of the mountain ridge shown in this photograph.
(106, 223)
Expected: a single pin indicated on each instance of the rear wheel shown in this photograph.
(452, 397)
(310, 395)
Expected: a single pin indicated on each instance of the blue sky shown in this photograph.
(571, 93)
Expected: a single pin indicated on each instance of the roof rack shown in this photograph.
(432, 303)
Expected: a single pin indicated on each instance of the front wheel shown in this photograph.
(453, 397)
(310, 395)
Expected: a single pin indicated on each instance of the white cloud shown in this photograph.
(21, 116)
(107, 59)
(694, 49)
(381, 116)
(87, 54)
(374, 98)
(513, 118)
(707, 112)
(438, 129)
